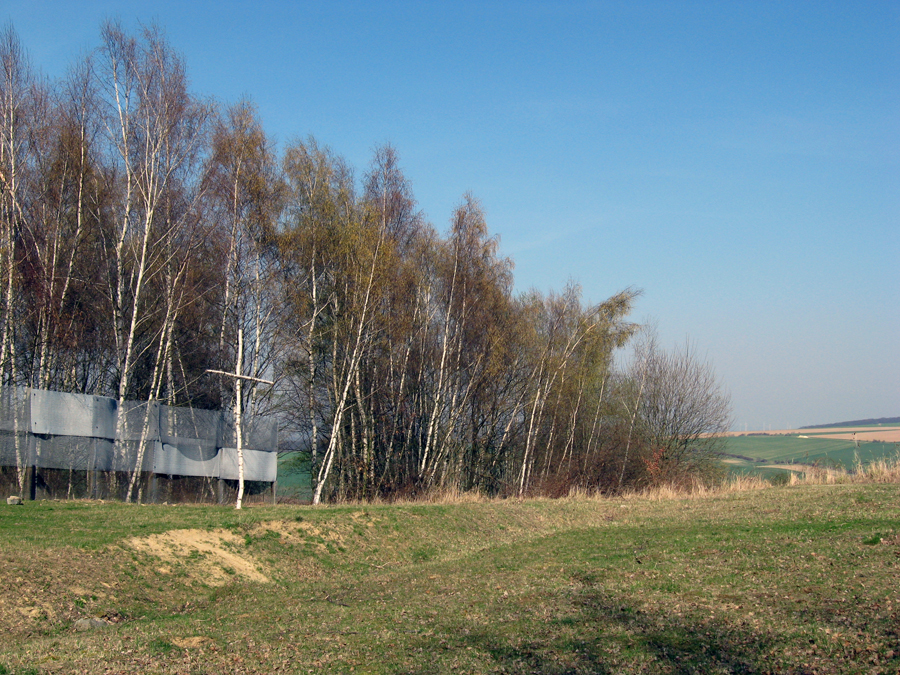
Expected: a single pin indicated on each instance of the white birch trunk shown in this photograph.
(238, 428)
(348, 378)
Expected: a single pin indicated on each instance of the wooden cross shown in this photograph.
(238, 378)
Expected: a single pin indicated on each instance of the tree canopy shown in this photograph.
(147, 234)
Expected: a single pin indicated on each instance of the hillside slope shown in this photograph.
(793, 579)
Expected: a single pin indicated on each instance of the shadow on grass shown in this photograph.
(601, 631)
(606, 635)
(684, 643)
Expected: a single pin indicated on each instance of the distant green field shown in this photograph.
(794, 450)
(294, 480)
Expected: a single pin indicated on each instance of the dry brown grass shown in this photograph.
(697, 489)
(881, 471)
(886, 470)
(435, 495)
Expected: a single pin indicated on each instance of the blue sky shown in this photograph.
(738, 161)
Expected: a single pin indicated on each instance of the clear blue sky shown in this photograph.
(739, 161)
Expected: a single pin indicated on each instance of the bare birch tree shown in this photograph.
(17, 89)
(154, 130)
(246, 192)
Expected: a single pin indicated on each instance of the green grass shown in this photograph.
(294, 479)
(787, 580)
(75, 523)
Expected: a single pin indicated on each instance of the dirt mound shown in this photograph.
(211, 556)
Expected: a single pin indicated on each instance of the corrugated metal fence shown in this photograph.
(76, 432)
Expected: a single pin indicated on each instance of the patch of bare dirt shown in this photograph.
(321, 537)
(287, 531)
(191, 642)
(788, 467)
(43, 589)
(214, 556)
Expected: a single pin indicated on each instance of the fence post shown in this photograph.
(154, 489)
(30, 483)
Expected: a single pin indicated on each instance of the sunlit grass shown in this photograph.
(741, 576)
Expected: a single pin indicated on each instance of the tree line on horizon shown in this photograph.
(149, 235)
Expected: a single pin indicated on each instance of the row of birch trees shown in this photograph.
(147, 234)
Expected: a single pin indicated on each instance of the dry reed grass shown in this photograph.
(436, 495)
(698, 489)
(885, 470)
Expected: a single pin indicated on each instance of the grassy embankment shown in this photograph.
(774, 579)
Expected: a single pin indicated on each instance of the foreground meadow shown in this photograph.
(791, 579)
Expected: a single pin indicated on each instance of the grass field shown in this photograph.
(793, 579)
(294, 480)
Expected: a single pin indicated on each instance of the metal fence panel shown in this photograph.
(15, 409)
(66, 452)
(138, 414)
(57, 430)
(125, 457)
(53, 412)
(14, 445)
(258, 465)
(105, 416)
(62, 414)
(260, 433)
(186, 460)
(104, 453)
(179, 424)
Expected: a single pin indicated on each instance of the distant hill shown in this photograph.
(856, 423)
